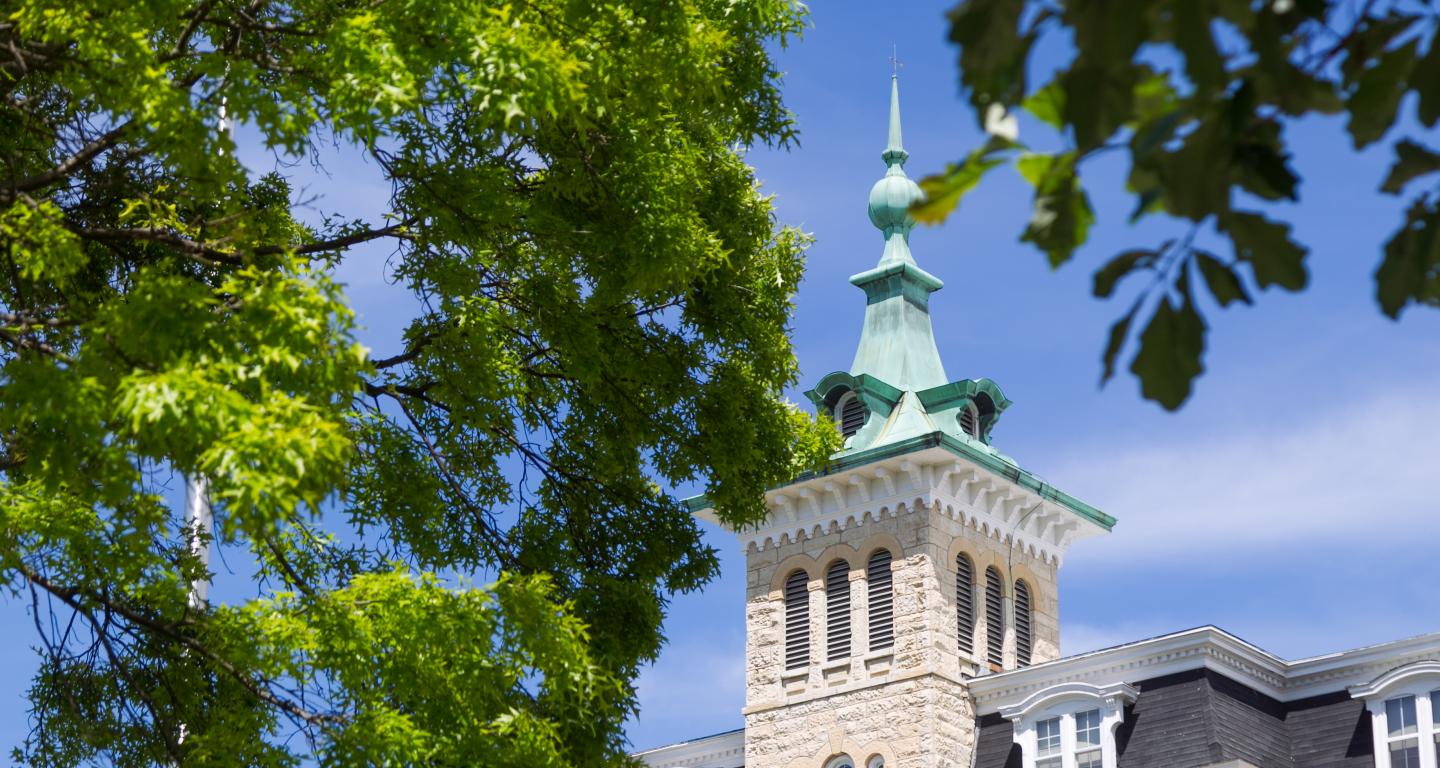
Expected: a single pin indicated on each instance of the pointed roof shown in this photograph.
(912, 412)
(897, 372)
(897, 343)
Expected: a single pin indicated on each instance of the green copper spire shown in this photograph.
(897, 379)
(897, 344)
(892, 195)
(895, 153)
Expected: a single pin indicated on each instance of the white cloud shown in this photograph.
(1365, 466)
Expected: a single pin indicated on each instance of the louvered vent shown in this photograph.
(1022, 624)
(837, 611)
(965, 603)
(994, 617)
(882, 600)
(797, 621)
(969, 422)
(852, 415)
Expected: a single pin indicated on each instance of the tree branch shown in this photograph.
(68, 165)
(71, 597)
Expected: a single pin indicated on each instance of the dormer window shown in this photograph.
(1404, 705)
(1070, 725)
(970, 420)
(850, 414)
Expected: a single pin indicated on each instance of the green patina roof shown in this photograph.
(897, 370)
(911, 404)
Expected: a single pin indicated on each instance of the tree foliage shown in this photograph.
(604, 296)
(1198, 94)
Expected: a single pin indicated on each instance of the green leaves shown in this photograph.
(1061, 218)
(1098, 102)
(596, 312)
(39, 245)
(1410, 271)
(992, 50)
(1170, 348)
(1047, 104)
(1200, 133)
(1411, 162)
(1203, 65)
(1222, 280)
(1266, 246)
(943, 191)
(1118, 267)
(1425, 81)
(1377, 93)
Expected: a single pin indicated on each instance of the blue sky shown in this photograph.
(1289, 502)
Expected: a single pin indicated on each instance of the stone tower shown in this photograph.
(919, 558)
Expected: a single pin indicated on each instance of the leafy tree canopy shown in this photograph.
(1198, 94)
(604, 297)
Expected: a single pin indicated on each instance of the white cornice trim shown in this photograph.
(723, 750)
(1205, 648)
(1066, 691)
(1396, 677)
(930, 480)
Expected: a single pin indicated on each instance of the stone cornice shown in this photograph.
(933, 479)
(1205, 648)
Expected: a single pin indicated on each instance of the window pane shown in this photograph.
(1087, 729)
(1405, 754)
(1049, 762)
(1400, 716)
(1047, 737)
(1089, 759)
(1435, 708)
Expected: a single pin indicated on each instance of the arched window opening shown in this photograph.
(797, 621)
(994, 617)
(970, 421)
(882, 600)
(1022, 624)
(965, 603)
(840, 761)
(837, 610)
(850, 413)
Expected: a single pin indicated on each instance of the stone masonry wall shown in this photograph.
(907, 703)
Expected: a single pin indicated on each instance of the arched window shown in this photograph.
(965, 603)
(850, 413)
(837, 610)
(970, 421)
(840, 761)
(1023, 617)
(994, 617)
(882, 600)
(797, 621)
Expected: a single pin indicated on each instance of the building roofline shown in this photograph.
(722, 747)
(1207, 647)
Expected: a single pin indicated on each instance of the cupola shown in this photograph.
(896, 388)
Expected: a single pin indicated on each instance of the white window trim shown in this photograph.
(1064, 701)
(1417, 679)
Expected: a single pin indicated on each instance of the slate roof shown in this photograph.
(1200, 718)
